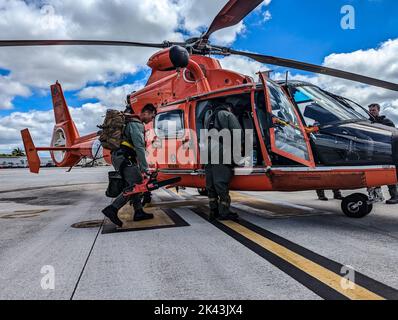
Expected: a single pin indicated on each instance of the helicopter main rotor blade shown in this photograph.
(317, 69)
(28, 43)
(232, 13)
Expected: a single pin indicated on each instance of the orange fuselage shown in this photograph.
(183, 90)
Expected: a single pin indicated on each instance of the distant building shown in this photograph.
(22, 162)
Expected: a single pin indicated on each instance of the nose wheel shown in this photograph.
(356, 206)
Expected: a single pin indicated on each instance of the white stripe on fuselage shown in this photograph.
(260, 171)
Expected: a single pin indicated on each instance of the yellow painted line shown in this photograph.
(324, 275)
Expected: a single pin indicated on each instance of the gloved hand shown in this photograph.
(244, 162)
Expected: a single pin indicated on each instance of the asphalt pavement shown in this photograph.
(55, 244)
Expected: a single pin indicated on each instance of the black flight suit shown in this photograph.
(393, 188)
(383, 120)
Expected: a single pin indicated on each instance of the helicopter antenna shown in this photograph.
(287, 77)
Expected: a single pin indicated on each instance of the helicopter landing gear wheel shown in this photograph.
(356, 206)
(202, 192)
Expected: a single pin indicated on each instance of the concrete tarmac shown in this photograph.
(289, 245)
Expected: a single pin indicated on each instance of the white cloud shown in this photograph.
(149, 21)
(110, 96)
(41, 123)
(391, 111)
(379, 62)
(9, 89)
(243, 65)
(198, 15)
(267, 16)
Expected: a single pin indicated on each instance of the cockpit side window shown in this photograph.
(170, 125)
(282, 108)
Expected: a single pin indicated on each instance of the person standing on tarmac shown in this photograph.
(130, 161)
(374, 110)
(219, 175)
(322, 196)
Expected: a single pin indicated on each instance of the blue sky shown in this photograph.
(310, 30)
(306, 30)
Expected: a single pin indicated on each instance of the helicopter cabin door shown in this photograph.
(287, 135)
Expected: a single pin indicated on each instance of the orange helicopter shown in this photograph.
(304, 137)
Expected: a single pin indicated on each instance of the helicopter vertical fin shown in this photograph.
(31, 151)
(62, 114)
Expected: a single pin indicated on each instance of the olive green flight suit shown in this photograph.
(218, 176)
(131, 163)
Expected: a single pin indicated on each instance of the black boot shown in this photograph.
(111, 213)
(226, 213)
(394, 195)
(141, 215)
(214, 213)
(337, 195)
(321, 195)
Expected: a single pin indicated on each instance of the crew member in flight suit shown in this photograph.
(130, 161)
(219, 175)
(374, 110)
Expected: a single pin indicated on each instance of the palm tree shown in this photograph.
(18, 152)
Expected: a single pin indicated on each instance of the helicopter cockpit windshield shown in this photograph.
(355, 106)
(318, 108)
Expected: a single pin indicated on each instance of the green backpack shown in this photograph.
(112, 130)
